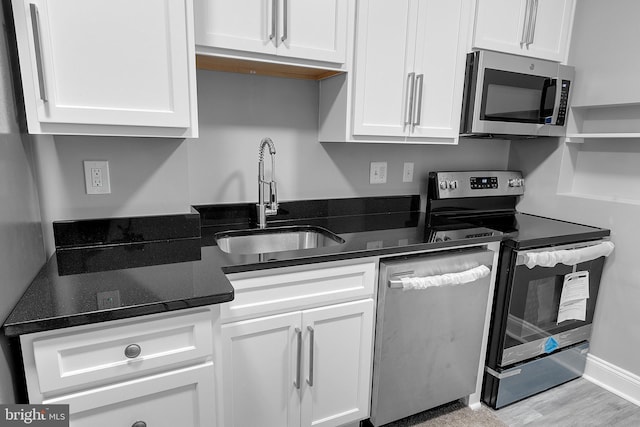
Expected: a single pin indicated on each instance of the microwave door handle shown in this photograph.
(544, 118)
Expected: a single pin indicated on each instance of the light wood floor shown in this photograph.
(578, 403)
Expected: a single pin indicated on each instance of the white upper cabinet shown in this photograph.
(314, 30)
(536, 28)
(384, 79)
(108, 67)
(409, 73)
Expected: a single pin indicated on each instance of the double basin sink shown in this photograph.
(276, 239)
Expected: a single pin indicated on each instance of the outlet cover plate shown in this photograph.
(96, 177)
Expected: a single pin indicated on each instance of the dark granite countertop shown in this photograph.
(124, 267)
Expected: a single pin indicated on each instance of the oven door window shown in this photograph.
(516, 97)
(534, 305)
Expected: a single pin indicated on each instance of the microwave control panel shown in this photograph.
(564, 98)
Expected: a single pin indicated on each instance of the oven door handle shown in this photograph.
(564, 256)
(448, 279)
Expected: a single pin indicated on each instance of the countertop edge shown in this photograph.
(42, 325)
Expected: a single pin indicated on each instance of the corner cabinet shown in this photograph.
(132, 372)
(535, 28)
(408, 75)
(108, 67)
(314, 30)
(305, 367)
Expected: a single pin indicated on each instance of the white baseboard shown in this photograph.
(612, 378)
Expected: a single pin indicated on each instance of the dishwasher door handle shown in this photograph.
(448, 279)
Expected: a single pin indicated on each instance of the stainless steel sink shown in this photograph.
(276, 239)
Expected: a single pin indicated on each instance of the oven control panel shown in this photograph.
(480, 182)
(476, 184)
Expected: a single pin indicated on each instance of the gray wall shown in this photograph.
(21, 249)
(235, 111)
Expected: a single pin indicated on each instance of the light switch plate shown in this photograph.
(378, 173)
(407, 172)
(96, 177)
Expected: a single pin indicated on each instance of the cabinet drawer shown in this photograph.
(177, 398)
(286, 289)
(98, 354)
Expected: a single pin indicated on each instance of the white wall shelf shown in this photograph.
(604, 121)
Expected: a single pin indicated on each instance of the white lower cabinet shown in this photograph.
(177, 398)
(304, 368)
(157, 370)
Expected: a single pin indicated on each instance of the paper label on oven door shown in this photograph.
(573, 300)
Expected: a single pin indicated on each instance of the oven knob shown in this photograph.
(443, 185)
(453, 185)
(516, 182)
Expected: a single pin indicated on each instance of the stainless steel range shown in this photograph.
(548, 281)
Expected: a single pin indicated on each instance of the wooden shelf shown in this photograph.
(234, 65)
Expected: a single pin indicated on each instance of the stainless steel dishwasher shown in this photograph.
(429, 326)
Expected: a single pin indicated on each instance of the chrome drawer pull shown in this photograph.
(285, 17)
(411, 79)
(35, 23)
(274, 17)
(132, 351)
(311, 339)
(296, 382)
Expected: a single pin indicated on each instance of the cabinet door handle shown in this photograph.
(311, 345)
(418, 107)
(35, 24)
(525, 26)
(285, 24)
(534, 19)
(274, 18)
(411, 77)
(132, 351)
(297, 381)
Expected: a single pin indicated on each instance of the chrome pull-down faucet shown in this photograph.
(270, 207)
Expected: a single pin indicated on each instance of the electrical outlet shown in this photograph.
(407, 172)
(378, 173)
(96, 177)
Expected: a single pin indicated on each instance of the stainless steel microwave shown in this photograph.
(514, 95)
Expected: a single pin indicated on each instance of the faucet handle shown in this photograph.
(273, 198)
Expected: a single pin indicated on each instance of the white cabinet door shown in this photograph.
(500, 25)
(383, 77)
(505, 26)
(106, 62)
(178, 398)
(338, 355)
(313, 29)
(439, 68)
(260, 364)
(304, 29)
(246, 25)
(551, 33)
